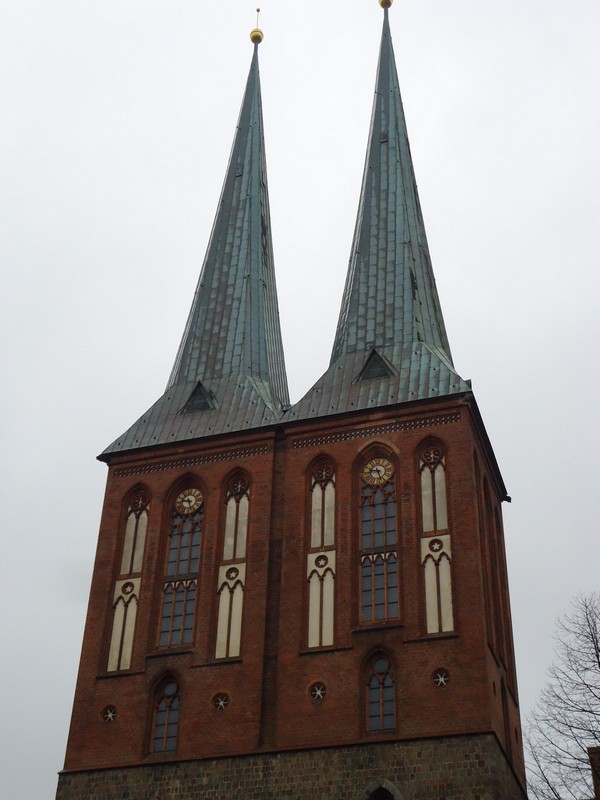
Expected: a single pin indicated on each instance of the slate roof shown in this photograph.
(229, 373)
(391, 344)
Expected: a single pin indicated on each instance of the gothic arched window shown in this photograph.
(322, 506)
(181, 570)
(380, 694)
(378, 542)
(433, 489)
(165, 723)
(232, 572)
(320, 562)
(436, 545)
(127, 587)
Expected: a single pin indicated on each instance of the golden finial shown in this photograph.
(256, 35)
(385, 3)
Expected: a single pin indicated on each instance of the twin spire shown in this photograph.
(390, 345)
(233, 326)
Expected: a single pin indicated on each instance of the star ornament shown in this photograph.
(109, 714)
(318, 691)
(220, 702)
(441, 678)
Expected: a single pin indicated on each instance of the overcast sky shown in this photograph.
(117, 121)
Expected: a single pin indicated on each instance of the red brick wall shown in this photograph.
(270, 706)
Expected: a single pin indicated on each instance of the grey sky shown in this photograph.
(118, 117)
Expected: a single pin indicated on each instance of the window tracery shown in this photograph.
(380, 694)
(232, 576)
(127, 586)
(181, 571)
(436, 544)
(166, 717)
(433, 489)
(320, 561)
(378, 543)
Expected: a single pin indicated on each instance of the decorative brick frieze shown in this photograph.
(377, 430)
(183, 463)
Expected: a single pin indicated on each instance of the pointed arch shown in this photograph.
(127, 587)
(378, 526)
(166, 707)
(183, 548)
(237, 503)
(434, 500)
(322, 479)
(321, 555)
(382, 790)
(379, 692)
(231, 582)
(436, 542)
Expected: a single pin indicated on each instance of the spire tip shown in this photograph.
(256, 35)
(385, 3)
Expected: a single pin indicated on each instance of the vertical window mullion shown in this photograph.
(378, 542)
(181, 575)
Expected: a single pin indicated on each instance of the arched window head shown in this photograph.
(232, 577)
(432, 467)
(378, 542)
(236, 520)
(127, 587)
(165, 724)
(322, 488)
(381, 794)
(135, 533)
(382, 790)
(380, 694)
(320, 560)
(181, 569)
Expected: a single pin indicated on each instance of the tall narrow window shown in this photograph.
(320, 561)
(436, 548)
(378, 543)
(436, 560)
(380, 694)
(127, 587)
(433, 490)
(181, 571)
(166, 717)
(232, 573)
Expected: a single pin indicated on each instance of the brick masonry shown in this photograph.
(457, 768)
(271, 708)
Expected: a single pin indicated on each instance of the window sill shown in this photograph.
(171, 651)
(378, 626)
(317, 651)
(219, 662)
(433, 637)
(119, 673)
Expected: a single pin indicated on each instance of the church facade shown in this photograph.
(312, 599)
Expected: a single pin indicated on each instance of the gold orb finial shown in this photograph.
(256, 35)
(385, 3)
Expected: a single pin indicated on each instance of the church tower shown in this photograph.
(310, 600)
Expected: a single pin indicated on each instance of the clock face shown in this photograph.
(378, 471)
(188, 501)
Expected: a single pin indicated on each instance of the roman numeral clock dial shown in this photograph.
(377, 471)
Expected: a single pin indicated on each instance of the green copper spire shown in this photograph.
(390, 344)
(229, 373)
(390, 295)
(233, 326)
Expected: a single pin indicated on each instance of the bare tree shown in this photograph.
(566, 718)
